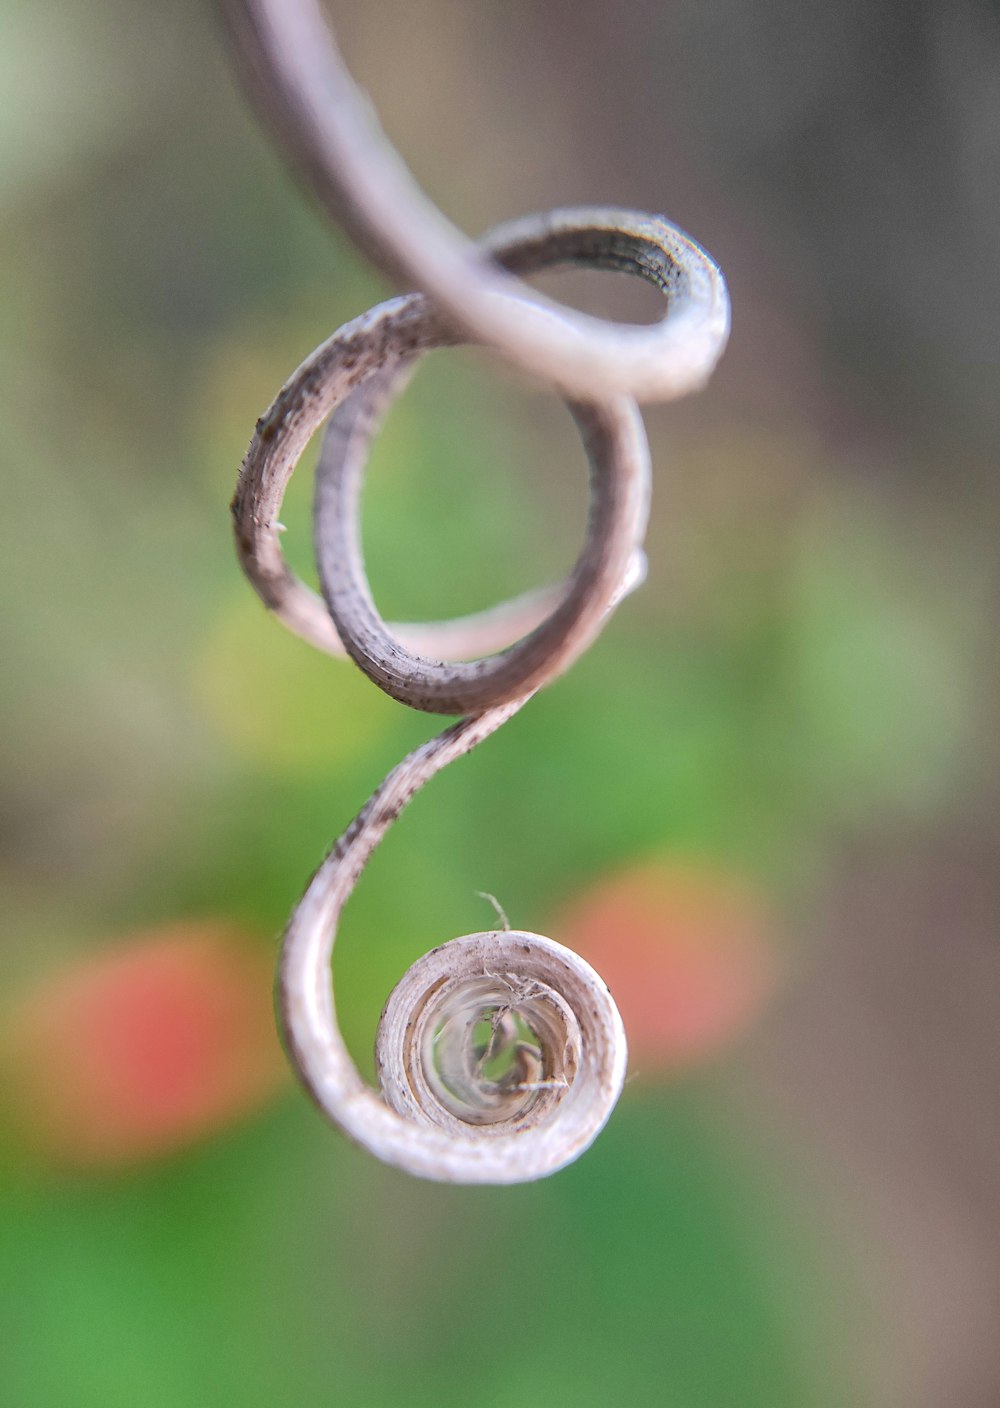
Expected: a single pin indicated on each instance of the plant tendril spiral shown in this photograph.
(500, 1055)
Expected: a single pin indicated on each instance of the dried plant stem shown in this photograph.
(463, 1122)
(535, 1146)
(298, 81)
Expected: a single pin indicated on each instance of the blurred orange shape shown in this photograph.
(687, 952)
(143, 1049)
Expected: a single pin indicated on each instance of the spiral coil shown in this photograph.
(500, 1055)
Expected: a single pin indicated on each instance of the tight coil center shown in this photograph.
(491, 1050)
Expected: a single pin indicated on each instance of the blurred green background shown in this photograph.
(764, 803)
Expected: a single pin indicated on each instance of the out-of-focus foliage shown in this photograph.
(802, 678)
(135, 1052)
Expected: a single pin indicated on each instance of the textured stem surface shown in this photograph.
(297, 79)
(500, 1055)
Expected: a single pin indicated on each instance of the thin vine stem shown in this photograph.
(487, 1120)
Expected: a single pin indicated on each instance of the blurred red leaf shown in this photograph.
(686, 951)
(141, 1050)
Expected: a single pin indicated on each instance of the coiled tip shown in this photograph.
(499, 1034)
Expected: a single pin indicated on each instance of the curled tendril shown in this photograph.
(500, 1055)
(303, 90)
